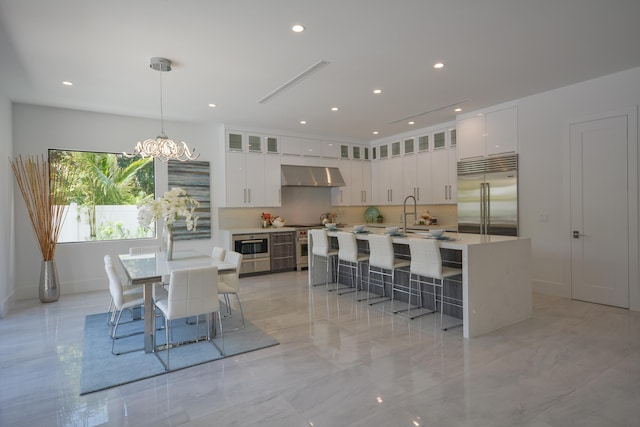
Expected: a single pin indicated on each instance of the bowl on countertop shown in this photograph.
(330, 226)
(436, 232)
(358, 228)
(277, 223)
(391, 230)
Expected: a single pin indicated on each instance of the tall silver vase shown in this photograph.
(168, 243)
(48, 291)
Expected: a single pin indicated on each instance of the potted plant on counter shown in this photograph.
(45, 191)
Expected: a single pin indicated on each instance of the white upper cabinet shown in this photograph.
(331, 150)
(489, 133)
(502, 131)
(290, 146)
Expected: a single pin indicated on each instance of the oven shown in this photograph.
(255, 252)
(302, 244)
(302, 249)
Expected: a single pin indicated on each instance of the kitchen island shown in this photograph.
(496, 277)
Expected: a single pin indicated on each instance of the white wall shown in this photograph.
(36, 129)
(7, 255)
(543, 121)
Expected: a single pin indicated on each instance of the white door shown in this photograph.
(600, 211)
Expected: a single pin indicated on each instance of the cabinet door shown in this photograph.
(367, 196)
(311, 147)
(452, 154)
(255, 179)
(290, 146)
(395, 181)
(440, 176)
(235, 141)
(381, 176)
(502, 131)
(410, 175)
(235, 179)
(272, 181)
(424, 182)
(331, 150)
(471, 137)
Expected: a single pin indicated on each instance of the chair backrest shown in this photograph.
(115, 284)
(192, 292)
(425, 258)
(381, 251)
(347, 246)
(320, 242)
(218, 253)
(233, 279)
(140, 250)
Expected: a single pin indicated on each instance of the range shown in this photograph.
(302, 244)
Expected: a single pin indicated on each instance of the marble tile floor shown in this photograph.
(340, 363)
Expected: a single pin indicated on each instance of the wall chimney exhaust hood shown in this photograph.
(311, 176)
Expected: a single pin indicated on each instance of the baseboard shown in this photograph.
(551, 288)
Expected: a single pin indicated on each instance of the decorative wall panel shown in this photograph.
(193, 177)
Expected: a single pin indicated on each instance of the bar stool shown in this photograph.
(349, 257)
(321, 250)
(382, 257)
(426, 262)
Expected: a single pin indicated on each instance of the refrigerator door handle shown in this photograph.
(482, 206)
(488, 208)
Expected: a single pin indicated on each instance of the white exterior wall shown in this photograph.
(7, 234)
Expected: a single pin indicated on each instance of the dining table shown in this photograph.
(147, 269)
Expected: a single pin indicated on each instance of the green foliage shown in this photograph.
(105, 179)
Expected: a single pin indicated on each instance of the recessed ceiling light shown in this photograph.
(457, 110)
(412, 123)
(212, 105)
(303, 122)
(67, 83)
(297, 28)
(377, 91)
(438, 65)
(375, 132)
(334, 108)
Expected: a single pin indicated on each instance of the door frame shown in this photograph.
(633, 187)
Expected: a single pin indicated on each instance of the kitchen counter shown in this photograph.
(256, 230)
(496, 278)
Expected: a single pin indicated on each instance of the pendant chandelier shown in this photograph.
(162, 147)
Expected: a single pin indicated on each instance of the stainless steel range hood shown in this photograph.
(311, 176)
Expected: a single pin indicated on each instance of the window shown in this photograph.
(105, 188)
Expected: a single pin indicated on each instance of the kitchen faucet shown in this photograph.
(404, 211)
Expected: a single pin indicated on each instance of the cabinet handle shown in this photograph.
(244, 195)
(445, 193)
(450, 196)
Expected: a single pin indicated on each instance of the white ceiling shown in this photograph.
(234, 52)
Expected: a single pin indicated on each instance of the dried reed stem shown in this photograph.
(45, 193)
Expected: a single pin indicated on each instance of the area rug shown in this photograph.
(102, 370)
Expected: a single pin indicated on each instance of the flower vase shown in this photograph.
(168, 243)
(48, 290)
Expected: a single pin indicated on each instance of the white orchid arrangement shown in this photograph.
(174, 204)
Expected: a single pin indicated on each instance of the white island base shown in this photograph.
(496, 278)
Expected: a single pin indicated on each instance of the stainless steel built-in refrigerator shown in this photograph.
(488, 195)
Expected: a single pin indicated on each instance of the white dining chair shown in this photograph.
(349, 257)
(426, 263)
(121, 301)
(193, 292)
(218, 253)
(382, 261)
(321, 251)
(229, 284)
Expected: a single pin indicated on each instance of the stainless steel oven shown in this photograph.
(302, 249)
(255, 250)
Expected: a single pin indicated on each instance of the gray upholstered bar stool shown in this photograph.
(382, 258)
(426, 262)
(349, 257)
(321, 250)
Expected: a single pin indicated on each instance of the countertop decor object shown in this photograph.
(45, 189)
(175, 203)
(371, 214)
